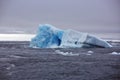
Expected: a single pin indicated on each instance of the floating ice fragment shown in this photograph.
(15, 56)
(66, 53)
(115, 53)
(50, 37)
(90, 52)
(11, 66)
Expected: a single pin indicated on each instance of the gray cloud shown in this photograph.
(82, 15)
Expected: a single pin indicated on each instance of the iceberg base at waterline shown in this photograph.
(49, 36)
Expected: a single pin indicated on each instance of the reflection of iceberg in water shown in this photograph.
(51, 37)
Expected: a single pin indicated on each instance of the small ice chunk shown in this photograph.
(66, 53)
(90, 52)
(11, 66)
(15, 56)
(115, 53)
(8, 68)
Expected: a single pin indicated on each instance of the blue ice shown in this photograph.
(47, 37)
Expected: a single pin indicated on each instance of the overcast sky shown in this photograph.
(82, 15)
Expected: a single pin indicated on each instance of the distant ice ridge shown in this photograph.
(49, 36)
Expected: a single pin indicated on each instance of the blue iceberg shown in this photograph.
(49, 36)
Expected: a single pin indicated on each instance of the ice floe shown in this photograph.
(66, 53)
(115, 53)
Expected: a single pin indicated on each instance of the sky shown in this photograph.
(94, 16)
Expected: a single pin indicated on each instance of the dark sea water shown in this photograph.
(20, 62)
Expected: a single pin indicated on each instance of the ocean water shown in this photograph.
(19, 62)
(17, 59)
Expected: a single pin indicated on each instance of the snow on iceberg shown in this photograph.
(49, 36)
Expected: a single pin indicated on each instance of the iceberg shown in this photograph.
(49, 36)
